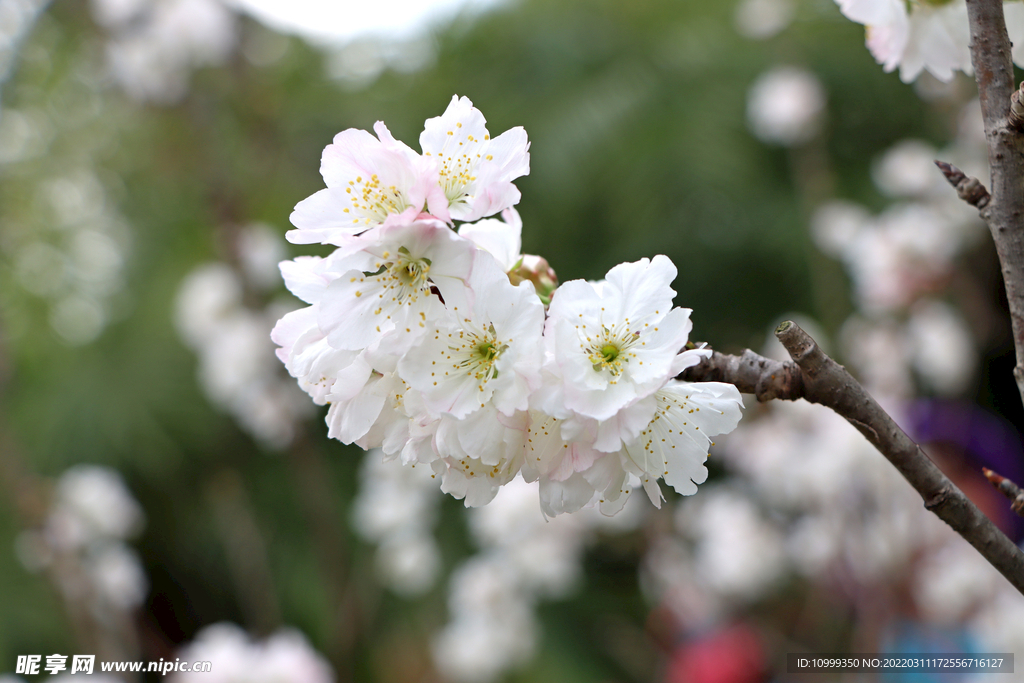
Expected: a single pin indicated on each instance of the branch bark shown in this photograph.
(1004, 214)
(815, 377)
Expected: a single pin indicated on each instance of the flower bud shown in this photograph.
(536, 270)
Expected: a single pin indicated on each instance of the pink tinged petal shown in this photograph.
(488, 200)
(357, 154)
(290, 328)
(389, 142)
(301, 278)
(458, 122)
(570, 495)
(510, 152)
(324, 218)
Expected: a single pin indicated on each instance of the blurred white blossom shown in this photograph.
(237, 367)
(396, 507)
(761, 19)
(785, 106)
(284, 657)
(155, 44)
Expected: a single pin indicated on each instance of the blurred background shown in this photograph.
(170, 493)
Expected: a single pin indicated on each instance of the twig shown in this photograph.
(1008, 488)
(993, 69)
(823, 381)
(968, 189)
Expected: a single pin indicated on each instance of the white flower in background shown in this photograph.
(785, 106)
(836, 224)
(82, 543)
(906, 251)
(237, 369)
(738, 551)
(155, 44)
(997, 623)
(879, 351)
(92, 504)
(523, 558)
(396, 507)
(260, 250)
(118, 577)
(284, 657)
(494, 628)
(944, 353)
(907, 169)
(762, 19)
(476, 172)
(952, 580)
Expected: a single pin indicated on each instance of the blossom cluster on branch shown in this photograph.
(925, 35)
(446, 346)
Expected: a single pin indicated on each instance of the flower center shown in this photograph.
(480, 351)
(456, 173)
(373, 201)
(405, 278)
(611, 349)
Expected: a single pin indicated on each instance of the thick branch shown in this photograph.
(1004, 214)
(752, 374)
(822, 380)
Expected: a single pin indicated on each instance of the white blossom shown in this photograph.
(476, 172)
(155, 44)
(485, 348)
(397, 507)
(284, 657)
(762, 19)
(785, 106)
(925, 35)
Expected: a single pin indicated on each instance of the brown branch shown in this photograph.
(1008, 488)
(824, 381)
(993, 69)
(752, 374)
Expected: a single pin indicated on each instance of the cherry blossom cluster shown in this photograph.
(433, 338)
(925, 35)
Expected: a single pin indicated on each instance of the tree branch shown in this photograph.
(821, 380)
(993, 69)
(1008, 488)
